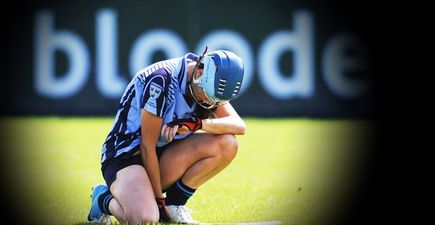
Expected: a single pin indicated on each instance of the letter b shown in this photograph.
(47, 41)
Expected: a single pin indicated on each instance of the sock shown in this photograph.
(178, 193)
(103, 202)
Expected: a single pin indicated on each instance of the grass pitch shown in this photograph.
(298, 171)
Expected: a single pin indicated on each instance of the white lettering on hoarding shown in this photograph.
(150, 42)
(299, 41)
(47, 42)
(336, 65)
(109, 82)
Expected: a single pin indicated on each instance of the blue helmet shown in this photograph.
(222, 76)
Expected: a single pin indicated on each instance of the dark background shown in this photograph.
(191, 20)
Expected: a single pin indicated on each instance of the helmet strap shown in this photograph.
(195, 80)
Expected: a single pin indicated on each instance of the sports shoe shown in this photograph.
(180, 214)
(96, 215)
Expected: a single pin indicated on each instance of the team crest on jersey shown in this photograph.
(155, 90)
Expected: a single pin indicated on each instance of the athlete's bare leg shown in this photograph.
(134, 200)
(197, 158)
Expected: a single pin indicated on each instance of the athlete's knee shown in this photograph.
(228, 146)
(141, 216)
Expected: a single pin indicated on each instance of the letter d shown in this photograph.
(300, 42)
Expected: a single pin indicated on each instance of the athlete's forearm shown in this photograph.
(224, 125)
(151, 164)
(150, 132)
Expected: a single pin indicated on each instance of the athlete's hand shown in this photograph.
(191, 123)
(169, 132)
(164, 216)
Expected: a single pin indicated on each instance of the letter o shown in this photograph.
(148, 43)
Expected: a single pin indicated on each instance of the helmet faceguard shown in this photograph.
(221, 79)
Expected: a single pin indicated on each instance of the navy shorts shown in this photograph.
(110, 167)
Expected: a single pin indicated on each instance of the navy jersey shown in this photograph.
(160, 89)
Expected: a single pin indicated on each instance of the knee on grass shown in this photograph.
(141, 217)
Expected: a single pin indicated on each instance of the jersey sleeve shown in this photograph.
(155, 94)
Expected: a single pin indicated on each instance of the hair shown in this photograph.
(204, 113)
(201, 66)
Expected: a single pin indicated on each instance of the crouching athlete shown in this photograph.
(153, 147)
